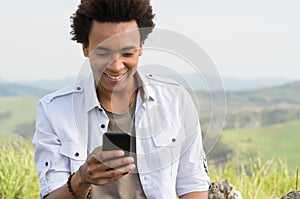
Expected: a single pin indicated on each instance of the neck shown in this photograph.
(118, 102)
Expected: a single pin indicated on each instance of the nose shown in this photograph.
(116, 64)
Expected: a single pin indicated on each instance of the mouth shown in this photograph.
(115, 78)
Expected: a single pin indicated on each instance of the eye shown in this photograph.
(100, 54)
(128, 53)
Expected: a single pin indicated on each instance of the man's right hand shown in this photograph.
(99, 168)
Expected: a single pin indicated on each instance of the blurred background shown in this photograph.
(254, 45)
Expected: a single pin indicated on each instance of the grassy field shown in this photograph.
(19, 109)
(256, 178)
(18, 176)
(259, 179)
(278, 141)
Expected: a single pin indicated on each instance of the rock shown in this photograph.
(292, 195)
(223, 190)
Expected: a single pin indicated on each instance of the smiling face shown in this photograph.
(114, 50)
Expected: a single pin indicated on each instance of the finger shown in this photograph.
(91, 158)
(100, 177)
(104, 181)
(97, 150)
(95, 170)
(116, 163)
(104, 155)
(116, 173)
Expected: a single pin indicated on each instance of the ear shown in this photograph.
(85, 49)
(141, 49)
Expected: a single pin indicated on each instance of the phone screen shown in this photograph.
(116, 141)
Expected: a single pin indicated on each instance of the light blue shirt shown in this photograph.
(170, 157)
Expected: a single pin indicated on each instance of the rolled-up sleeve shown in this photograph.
(192, 175)
(53, 168)
(192, 171)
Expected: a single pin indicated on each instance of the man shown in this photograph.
(167, 154)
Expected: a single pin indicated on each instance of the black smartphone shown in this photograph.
(116, 141)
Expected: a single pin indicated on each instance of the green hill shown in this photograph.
(257, 108)
(17, 115)
(10, 89)
(287, 94)
(17, 108)
(268, 142)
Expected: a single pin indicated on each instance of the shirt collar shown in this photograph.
(91, 99)
(144, 84)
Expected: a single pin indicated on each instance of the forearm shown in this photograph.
(195, 195)
(80, 188)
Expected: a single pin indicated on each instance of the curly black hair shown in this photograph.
(111, 11)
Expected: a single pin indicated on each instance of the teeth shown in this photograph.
(114, 77)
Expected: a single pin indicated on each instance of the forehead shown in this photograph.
(114, 35)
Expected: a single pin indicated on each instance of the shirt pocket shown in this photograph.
(169, 136)
(168, 143)
(75, 152)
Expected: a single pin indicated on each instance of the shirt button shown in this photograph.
(146, 178)
(102, 126)
(173, 140)
(76, 154)
(100, 109)
(78, 88)
(46, 164)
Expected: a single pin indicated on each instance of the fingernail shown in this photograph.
(131, 167)
(121, 153)
(130, 159)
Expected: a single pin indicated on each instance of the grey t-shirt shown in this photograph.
(129, 186)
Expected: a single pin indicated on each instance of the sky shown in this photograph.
(244, 39)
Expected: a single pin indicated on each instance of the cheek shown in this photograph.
(98, 67)
(98, 64)
(133, 63)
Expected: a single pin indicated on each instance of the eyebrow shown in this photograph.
(123, 49)
(129, 48)
(102, 48)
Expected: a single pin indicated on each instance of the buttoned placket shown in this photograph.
(102, 120)
(144, 178)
